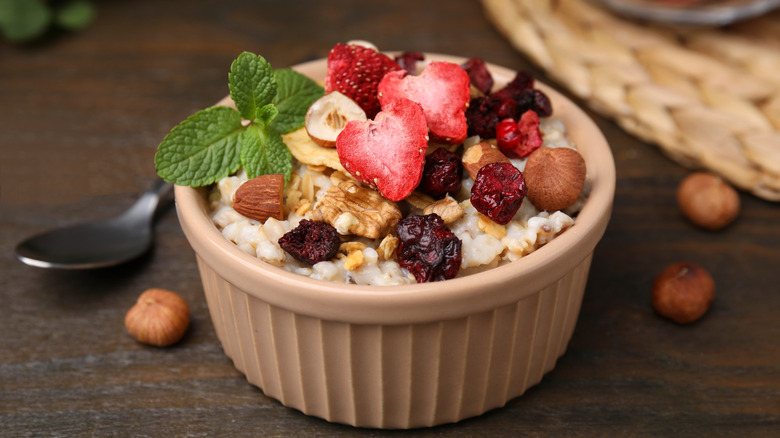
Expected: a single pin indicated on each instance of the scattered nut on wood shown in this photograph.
(708, 201)
(683, 292)
(159, 317)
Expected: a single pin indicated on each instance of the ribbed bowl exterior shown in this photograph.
(396, 376)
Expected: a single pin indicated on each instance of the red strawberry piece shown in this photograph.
(443, 91)
(518, 140)
(355, 71)
(387, 153)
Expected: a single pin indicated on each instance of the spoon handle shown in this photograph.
(146, 205)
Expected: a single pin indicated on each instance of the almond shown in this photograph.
(260, 198)
(555, 177)
(480, 155)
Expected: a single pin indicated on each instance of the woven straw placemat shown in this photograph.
(708, 97)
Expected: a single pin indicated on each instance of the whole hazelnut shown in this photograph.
(683, 292)
(159, 317)
(707, 200)
(555, 177)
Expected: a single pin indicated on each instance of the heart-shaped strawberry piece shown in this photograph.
(387, 153)
(443, 91)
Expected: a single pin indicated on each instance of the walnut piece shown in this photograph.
(447, 208)
(374, 216)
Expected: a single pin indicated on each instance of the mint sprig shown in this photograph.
(214, 142)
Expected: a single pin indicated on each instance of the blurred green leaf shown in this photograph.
(75, 15)
(23, 20)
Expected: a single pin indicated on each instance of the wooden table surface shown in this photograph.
(80, 118)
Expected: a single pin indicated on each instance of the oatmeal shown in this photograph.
(372, 260)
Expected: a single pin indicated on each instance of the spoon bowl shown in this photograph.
(97, 244)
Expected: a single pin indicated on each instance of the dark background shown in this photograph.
(81, 115)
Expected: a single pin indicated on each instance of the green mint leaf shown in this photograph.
(266, 114)
(294, 95)
(202, 149)
(23, 20)
(75, 15)
(252, 83)
(264, 152)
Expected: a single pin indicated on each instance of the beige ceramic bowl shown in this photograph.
(404, 356)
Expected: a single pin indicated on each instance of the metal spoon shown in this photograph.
(97, 244)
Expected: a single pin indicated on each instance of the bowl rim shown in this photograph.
(428, 301)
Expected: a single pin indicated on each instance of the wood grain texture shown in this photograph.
(80, 119)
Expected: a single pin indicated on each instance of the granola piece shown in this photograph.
(387, 247)
(307, 187)
(419, 200)
(321, 168)
(488, 226)
(354, 260)
(370, 214)
(302, 207)
(348, 247)
(447, 208)
(337, 177)
(293, 199)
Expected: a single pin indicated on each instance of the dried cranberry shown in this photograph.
(508, 136)
(427, 248)
(511, 101)
(519, 139)
(506, 109)
(498, 192)
(442, 173)
(524, 101)
(523, 80)
(408, 61)
(311, 242)
(478, 74)
(542, 104)
(481, 118)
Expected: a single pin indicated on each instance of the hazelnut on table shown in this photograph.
(683, 292)
(159, 317)
(707, 200)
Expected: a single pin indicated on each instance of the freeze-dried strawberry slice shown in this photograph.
(443, 91)
(355, 71)
(387, 153)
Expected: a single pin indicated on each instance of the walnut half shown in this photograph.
(370, 214)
